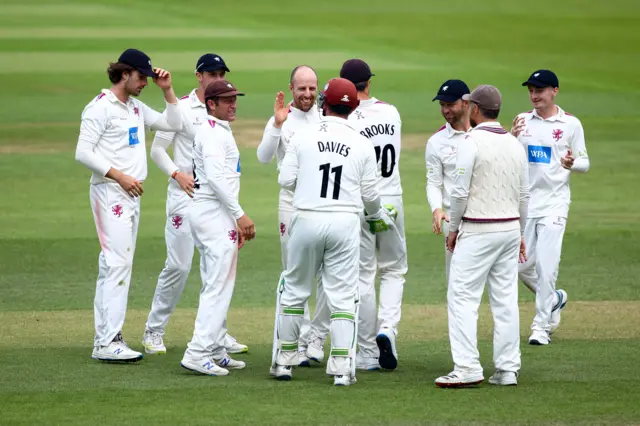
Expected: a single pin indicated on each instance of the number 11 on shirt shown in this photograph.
(324, 168)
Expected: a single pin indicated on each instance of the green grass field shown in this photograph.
(52, 60)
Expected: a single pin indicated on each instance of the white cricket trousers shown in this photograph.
(447, 253)
(215, 235)
(385, 252)
(117, 216)
(330, 240)
(490, 257)
(543, 239)
(307, 331)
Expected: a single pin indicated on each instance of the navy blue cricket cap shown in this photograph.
(138, 60)
(451, 91)
(211, 62)
(356, 71)
(542, 78)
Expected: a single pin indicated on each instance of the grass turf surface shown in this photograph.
(53, 56)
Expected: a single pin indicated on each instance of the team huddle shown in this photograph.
(501, 199)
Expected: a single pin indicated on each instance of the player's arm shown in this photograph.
(92, 127)
(525, 194)
(579, 151)
(288, 175)
(435, 177)
(269, 144)
(214, 154)
(159, 155)
(465, 159)
(369, 183)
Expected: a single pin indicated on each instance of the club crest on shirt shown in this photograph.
(117, 210)
(136, 111)
(557, 134)
(283, 228)
(177, 221)
(233, 235)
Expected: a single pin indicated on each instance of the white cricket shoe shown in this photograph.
(283, 372)
(116, 351)
(456, 379)
(153, 343)
(303, 361)
(539, 338)
(554, 321)
(233, 346)
(368, 363)
(386, 340)
(206, 365)
(345, 380)
(230, 363)
(315, 350)
(504, 378)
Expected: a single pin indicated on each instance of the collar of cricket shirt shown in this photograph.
(451, 132)
(368, 102)
(224, 124)
(339, 120)
(194, 101)
(113, 98)
(559, 116)
(298, 113)
(492, 126)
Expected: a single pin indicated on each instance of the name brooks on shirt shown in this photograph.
(378, 129)
(335, 147)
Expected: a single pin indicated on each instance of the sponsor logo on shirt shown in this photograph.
(133, 136)
(539, 154)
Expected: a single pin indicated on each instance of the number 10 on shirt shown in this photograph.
(326, 169)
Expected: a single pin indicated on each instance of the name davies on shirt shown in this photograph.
(335, 147)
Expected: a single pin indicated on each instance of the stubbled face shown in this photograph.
(473, 112)
(542, 97)
(134, 82)
(225, 109)
(304, 89)
(207, 77)
(453, 112)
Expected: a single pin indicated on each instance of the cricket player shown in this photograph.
(380, 123)
(287, 120)
(209, 68)
(440, 156)
(112, 145)
(219, 227)
(487, 216)
(556, 148)
(332, 171)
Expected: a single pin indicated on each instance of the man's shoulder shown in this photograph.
(381, 107)
(98, 103)
(438, 135)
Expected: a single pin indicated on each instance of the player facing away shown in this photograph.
(440, 156)
(112, 145)
(219, 227)
(332, 171)
(380, 123)
(556, 148)
(288, 120)
(487, 216)
(173, 278)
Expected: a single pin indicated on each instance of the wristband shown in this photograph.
(173, 176)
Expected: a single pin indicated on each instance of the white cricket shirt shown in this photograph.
(546, 142)
(194, 114)
(380, 123)
(274, 142)
(216, 162)
(331, 168)
(440, 157)
(112, 134)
